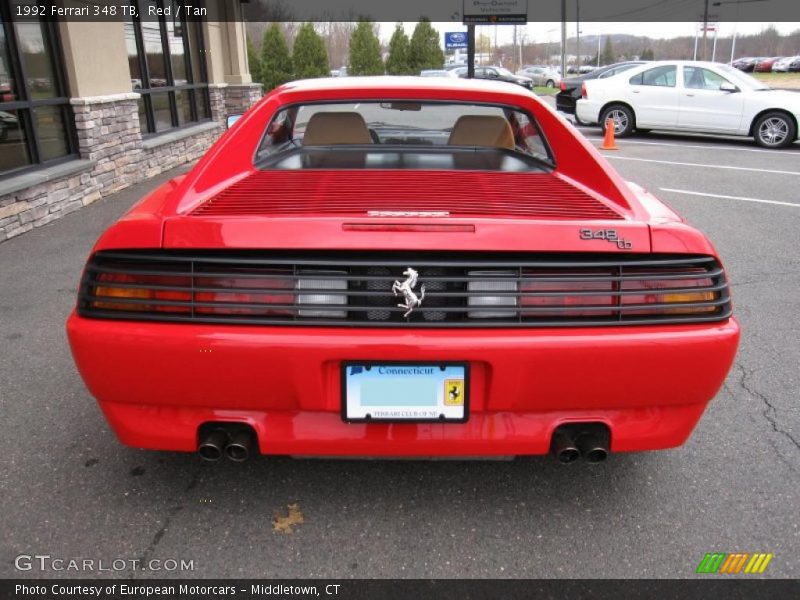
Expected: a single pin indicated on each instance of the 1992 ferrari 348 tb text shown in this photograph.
(402, 267)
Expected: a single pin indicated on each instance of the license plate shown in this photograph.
(405, 392)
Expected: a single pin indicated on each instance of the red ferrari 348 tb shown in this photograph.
(402, 267)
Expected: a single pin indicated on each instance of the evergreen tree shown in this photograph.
(310, 58)
(607, 57)
(647, 54)
(365, 51)
(276, 64)
(424, 51)
(397, 61)
(254, 60)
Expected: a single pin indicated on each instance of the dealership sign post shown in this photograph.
(493, 12)
(490, 12)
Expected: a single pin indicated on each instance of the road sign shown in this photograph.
(495, 11)
(454, 40)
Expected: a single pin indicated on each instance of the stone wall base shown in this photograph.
(113, 156)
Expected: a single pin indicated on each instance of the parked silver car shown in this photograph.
(541, 76)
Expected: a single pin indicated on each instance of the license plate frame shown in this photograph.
(446, 370)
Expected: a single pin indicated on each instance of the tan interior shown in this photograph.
(336, 128)
(483, 131)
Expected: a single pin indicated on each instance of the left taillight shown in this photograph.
(198, 290)
(584, 93)
(141, 293)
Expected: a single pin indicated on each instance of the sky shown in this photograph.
(544, 32)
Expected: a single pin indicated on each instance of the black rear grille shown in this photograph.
(349, 289)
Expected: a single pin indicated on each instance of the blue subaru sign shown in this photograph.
(455, 39)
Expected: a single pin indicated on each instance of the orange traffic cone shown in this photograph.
(608, 139)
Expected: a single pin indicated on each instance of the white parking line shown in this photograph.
(705, 166)
(742, 198)
(707, 147)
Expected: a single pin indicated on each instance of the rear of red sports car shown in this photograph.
(402, 267)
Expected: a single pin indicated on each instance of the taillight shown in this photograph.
(244, 292)
(491, 291)
(677, 292)
(590, 298)
(592, 293)
(584, 93)
(562, 86)
(142, 293)
(319, 289)
(254, 295)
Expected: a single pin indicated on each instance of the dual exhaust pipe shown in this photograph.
(571, 442)
(236, 441)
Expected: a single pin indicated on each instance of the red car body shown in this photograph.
(160, 381)
(765, 64)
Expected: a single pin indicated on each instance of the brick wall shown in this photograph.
(114, 155)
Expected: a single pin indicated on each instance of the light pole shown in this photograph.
(563, 38)
(598, 50)
(736, 22)
(578, 35)
(705, 27)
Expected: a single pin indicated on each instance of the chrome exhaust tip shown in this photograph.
(593, 447)
(563, 448)
(213, 445)
(240, 447)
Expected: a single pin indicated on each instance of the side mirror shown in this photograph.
(231, 120)
(728, 87)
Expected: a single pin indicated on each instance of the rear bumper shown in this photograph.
(588, 111)
(157, 383)
(565, 103)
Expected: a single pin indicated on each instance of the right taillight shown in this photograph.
(584, 93)
(672, 296)
(549, 297)
(562, 86)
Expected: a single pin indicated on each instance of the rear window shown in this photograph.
(404, 125)
(659, 76)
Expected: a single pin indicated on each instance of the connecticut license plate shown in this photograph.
(405, 392)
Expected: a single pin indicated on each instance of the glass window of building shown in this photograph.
(36, 123)
(166, 66)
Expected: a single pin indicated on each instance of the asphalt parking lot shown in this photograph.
(69, 489)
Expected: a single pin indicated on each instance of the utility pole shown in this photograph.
(578, 34)
(563, 38)
(705, 26)
(714, 47)
(470, 50)
(514, 60)
(598, 49)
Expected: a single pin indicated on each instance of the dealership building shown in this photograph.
(89, 108)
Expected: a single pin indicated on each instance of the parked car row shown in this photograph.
(768, 64)
(494, 73)
(693, 96)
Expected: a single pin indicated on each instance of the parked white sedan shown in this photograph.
(691, 96)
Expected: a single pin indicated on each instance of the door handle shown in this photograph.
(690, 95)
(635, 91)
